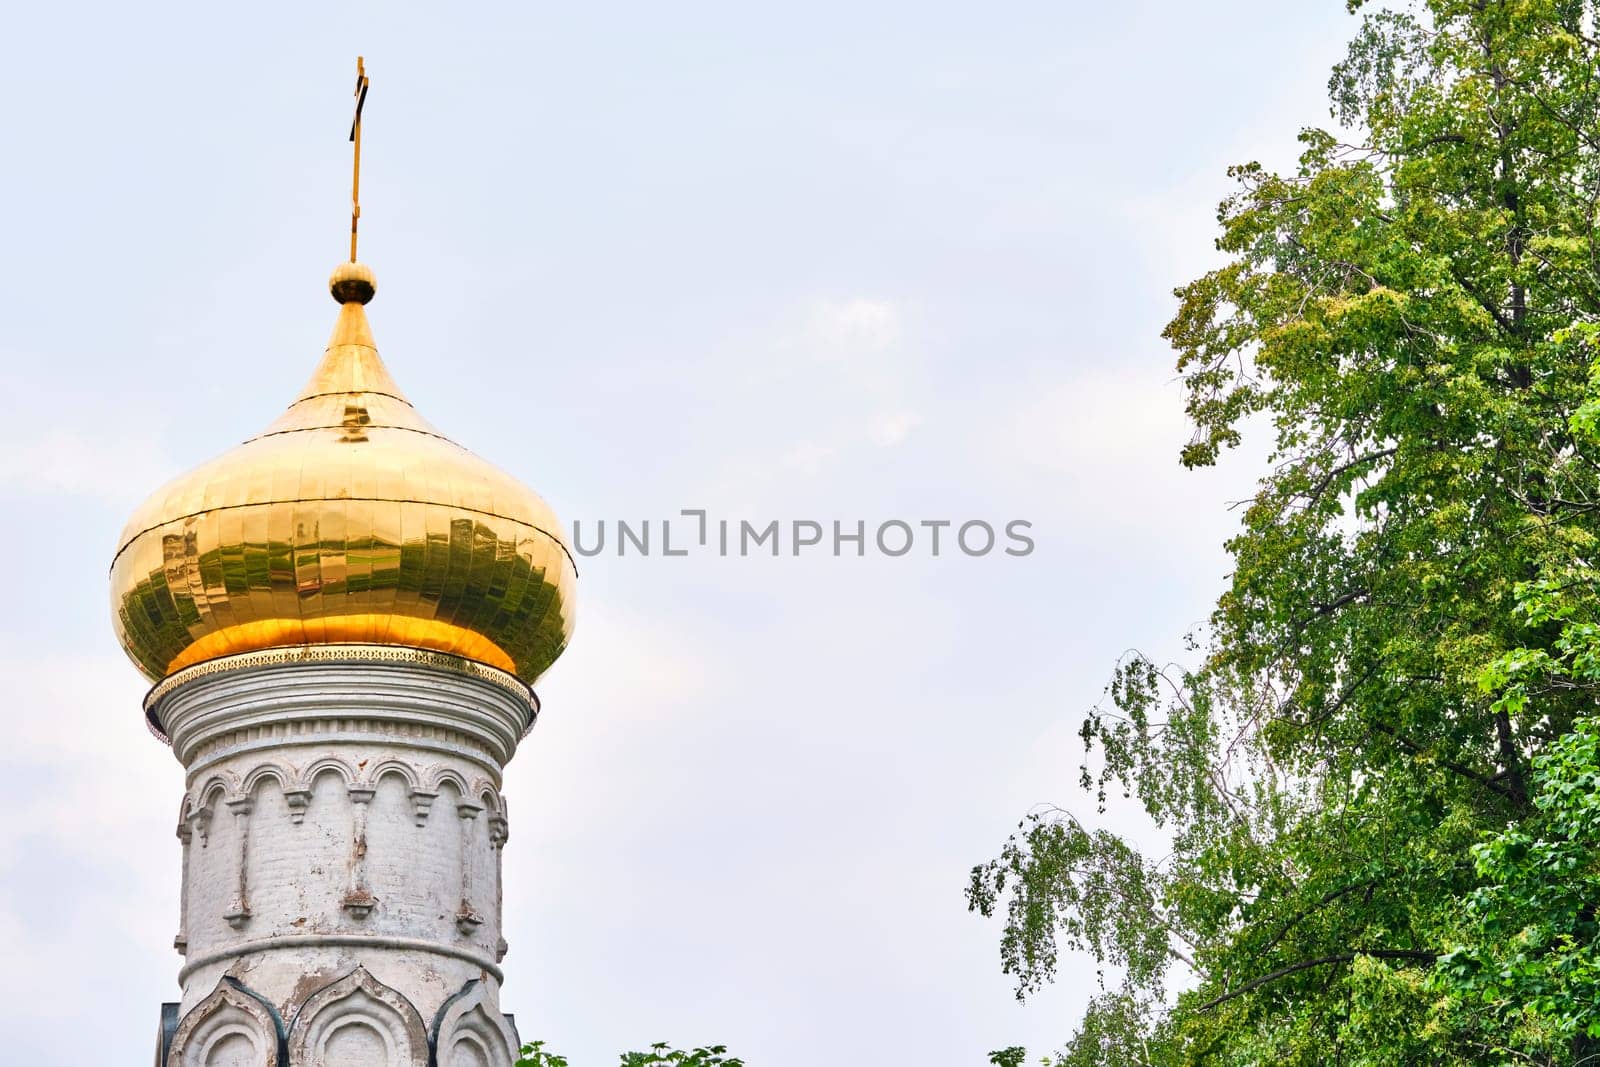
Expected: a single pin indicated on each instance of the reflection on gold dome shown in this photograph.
(348, 520)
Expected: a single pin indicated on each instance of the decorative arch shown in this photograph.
(205, 796)
(327, 765)
(439, 776)
(358, 1021)
(186, 826)
(485, 791)
(233, 1027)
(397, 767)
(470, 1031)
(282, 775)
(206, 801)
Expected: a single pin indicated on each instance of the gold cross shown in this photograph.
(355, 138)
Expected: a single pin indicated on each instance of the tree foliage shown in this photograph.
(661, 1054)
(1377, 779)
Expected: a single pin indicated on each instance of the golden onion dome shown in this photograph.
(349, 520)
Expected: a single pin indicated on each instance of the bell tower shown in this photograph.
(342, 619)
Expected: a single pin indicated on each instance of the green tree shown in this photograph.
(661, 1054)
(1532, 957)
(534, 1055)
(1345, 770)
(1529, 953)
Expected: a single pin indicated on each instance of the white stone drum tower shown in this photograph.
(342, 618)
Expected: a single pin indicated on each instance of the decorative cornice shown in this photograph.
(321, 655)
(357, 941)
(267, 700)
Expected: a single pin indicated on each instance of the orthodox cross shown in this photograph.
(355, 139)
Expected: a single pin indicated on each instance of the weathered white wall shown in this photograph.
(341, 827)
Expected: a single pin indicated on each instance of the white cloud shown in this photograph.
(853, 326)
(891, 428)
(847, 370)
(808, 457)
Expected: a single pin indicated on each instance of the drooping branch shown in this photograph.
(1420, 955)
(1487, 781)
(1327, 479)
(1322, 611)
(1305, 913)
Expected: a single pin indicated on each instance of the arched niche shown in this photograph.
(470, 1030)
(357, 1021)
(233, 1027)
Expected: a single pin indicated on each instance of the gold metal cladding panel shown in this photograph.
(349, 519)
(315, 465)
(482, 587)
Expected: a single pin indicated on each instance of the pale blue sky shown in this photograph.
(865, 260)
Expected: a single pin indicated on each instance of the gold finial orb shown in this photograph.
(350, 520)
(353, 283)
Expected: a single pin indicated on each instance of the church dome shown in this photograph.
(348, 521)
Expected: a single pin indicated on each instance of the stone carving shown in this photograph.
(357, 1021)
(422, 786)
(359, 901)
(422, 800)
(238, 914)
(185, 837)
(499, 833)
(467, 918)
(298, 800)
(233, 1027)
(470, 1031)
(201, 820)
